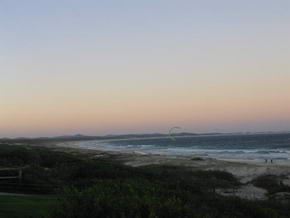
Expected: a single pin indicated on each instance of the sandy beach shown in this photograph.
(246, 171)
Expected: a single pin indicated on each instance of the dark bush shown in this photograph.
(271, 183)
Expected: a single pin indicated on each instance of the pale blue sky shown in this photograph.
(86, 66)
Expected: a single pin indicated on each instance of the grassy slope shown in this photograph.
(25, 206)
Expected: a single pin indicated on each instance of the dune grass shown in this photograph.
(30, 206)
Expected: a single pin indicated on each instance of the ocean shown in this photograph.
(242, 147)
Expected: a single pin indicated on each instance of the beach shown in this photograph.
(246, 171)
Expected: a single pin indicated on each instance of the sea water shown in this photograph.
(243, 146)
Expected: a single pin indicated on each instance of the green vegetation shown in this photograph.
(25, 206)
(88, 188)
(271, 183)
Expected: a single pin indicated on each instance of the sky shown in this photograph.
(102, 67)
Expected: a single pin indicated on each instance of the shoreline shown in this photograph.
(261, 162)
(136, 158)
(246, 172)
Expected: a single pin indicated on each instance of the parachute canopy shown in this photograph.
(171, 132)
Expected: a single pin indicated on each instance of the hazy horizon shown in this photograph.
(117, 67)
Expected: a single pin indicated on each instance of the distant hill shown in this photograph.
(80, 137)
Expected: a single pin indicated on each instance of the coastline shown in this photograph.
(244, 170)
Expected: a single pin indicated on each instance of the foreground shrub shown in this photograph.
(144, 199)
(271, 183)
(120, 199)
